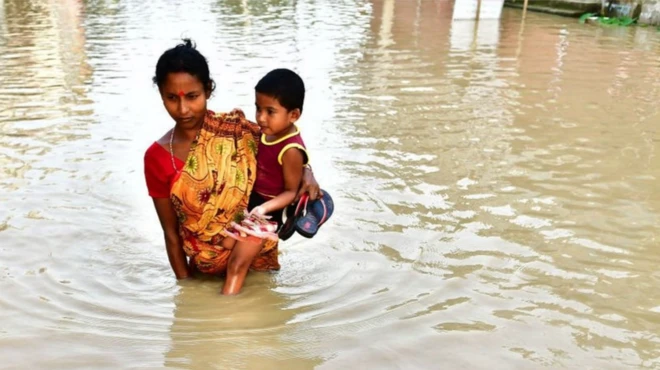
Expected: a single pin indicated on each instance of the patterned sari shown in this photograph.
(214, 186)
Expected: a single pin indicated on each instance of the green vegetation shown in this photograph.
(608, 21)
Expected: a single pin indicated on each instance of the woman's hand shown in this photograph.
(309, 185)
(238, 111)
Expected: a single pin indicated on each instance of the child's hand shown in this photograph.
(258, 211)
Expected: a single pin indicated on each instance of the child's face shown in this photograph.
(273, 118)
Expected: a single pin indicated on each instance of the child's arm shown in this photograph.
(292, 168)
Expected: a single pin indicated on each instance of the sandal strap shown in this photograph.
(325, 212)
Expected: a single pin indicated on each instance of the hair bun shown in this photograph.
(184, 57)
(188, 43)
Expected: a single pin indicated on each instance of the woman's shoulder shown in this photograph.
(156, 170)
(155, 151)
(237, 116)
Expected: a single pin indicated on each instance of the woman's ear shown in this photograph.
(209, 89)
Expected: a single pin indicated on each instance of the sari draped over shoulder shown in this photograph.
(214, 187)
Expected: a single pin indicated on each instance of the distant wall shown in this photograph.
(648, 11)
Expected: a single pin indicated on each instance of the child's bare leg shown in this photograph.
(240, 259)
(228, 243)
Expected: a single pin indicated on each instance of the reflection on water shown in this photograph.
(495, 183)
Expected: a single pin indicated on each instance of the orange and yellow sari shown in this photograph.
(214, 186)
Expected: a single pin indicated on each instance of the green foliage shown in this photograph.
(586, 16)
(608, 21)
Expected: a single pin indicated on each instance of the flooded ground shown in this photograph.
(496, 186)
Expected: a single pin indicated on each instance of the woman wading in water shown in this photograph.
(201, 172)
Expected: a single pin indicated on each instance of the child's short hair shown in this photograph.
(285, 86)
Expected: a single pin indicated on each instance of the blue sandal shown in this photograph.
(292, 216)
(316, 214)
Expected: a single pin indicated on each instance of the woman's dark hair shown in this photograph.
(184, 58)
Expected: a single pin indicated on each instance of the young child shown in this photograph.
(281, 156)
(279, 98)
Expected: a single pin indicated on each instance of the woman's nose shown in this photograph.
(183, 107)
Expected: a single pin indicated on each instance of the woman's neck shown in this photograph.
(187, 134)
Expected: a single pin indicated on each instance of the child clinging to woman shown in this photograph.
(279, 98)
(281, 157)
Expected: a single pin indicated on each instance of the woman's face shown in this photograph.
(184, 98)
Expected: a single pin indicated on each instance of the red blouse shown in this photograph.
(158, 170)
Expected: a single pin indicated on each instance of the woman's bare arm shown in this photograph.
(173, 244)
(309, 185)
